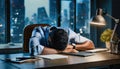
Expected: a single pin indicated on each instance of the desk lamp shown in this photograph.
(100, 20)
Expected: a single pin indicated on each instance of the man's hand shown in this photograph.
(69, 48)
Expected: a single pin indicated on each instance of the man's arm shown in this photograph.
(84, 46)
(47, 50)
(82, 43)
(68, 49)
(87, 45)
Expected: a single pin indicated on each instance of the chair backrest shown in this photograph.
(27, 34)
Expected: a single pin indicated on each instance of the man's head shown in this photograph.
(58, 38)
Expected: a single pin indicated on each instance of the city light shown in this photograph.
(1, 25)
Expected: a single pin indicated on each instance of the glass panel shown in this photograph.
(83, 17)
(67, 14)
(2, 21)
(25, 12)
(42, 11)
(17, 20)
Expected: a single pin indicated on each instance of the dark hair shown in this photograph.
(59, 39)
(53, 28)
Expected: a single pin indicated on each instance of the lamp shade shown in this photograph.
(98, 19)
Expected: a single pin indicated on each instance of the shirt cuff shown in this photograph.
(40, 49)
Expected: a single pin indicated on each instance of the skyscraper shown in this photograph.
(42, 15)
(17, 19)
(2, 21)
(53, 11)
(71, 6)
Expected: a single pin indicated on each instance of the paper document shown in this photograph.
(53, 56)
(97, 50)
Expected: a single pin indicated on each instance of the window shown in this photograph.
(83, 17)
(76, 15)
(2, 21)
(67, 14)
(73, 14)
(25, 12)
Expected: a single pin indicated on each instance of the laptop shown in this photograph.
(87, 52)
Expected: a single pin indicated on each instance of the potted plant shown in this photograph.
(106, 36)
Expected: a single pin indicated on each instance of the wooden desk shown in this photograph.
(72, 62)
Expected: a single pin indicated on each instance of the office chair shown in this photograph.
(27, 34)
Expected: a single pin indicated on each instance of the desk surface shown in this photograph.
(72, 62)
